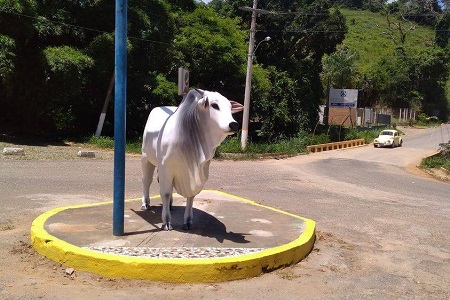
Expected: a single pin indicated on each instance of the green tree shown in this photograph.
(301, 33)
(340, 68)
(442, 29)
(66, 69)
(392, 80)
(430, 74)
(213, 49)
(280, 111)
(7, 56)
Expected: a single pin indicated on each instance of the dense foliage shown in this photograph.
(57, 59)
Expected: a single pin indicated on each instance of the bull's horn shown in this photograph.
(200, 91)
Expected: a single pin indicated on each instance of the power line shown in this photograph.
(302, 31)
(328, 13)
(40, 18)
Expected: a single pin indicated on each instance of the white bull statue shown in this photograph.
(181, 142)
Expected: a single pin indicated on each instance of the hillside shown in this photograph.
(367, 35)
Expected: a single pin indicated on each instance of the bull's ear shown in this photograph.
(236, 107)
(203, 102)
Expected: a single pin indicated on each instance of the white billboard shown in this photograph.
(343, 98)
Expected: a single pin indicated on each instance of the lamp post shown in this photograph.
(248, 79)
(266, 39)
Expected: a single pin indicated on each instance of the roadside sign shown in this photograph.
(183, 81)
(343, 98)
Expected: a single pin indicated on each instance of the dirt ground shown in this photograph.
(325, 274)
(31, 276)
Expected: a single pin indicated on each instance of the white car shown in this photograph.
(388, 138)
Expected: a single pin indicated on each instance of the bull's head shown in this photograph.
(220, 111)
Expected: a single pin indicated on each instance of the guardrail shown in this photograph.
(335, 146)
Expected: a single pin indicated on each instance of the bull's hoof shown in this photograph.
(188, 226)
(166, 227)
(145, 207)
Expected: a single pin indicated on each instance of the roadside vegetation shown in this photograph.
(103, 142)
(298, 144)
(57, 60)
(441, 160)
(287, 147)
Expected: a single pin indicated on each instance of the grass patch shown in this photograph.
(367, 35)
(108, 143)
(436, 162)
(433, 162)
(102, 142)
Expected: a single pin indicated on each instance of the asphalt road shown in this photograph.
(395, 224)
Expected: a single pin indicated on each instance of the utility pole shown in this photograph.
(248, 78)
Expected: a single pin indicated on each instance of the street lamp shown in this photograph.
(266, 39)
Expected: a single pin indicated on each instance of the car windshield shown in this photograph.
(386, 133)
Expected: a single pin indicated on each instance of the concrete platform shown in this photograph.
(233, 238)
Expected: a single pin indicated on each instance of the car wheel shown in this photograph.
(401, 143)
(393, 144)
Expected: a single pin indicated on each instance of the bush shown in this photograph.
(7, 56)
(433, 162)
(424, 119)
(281, 111)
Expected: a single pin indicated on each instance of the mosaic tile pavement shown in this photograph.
(175, 252)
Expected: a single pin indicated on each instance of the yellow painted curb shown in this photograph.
(172, 270)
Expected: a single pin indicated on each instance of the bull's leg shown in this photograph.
(166, 216)
(165, 190)
(188, 214)
(147, 178)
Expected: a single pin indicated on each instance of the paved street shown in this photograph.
(383, 232)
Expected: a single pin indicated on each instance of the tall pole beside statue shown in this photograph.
(248, 79)
(120, 100)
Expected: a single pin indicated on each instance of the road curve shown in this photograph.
(383, 233)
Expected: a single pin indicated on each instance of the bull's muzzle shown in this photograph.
(234, 126)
